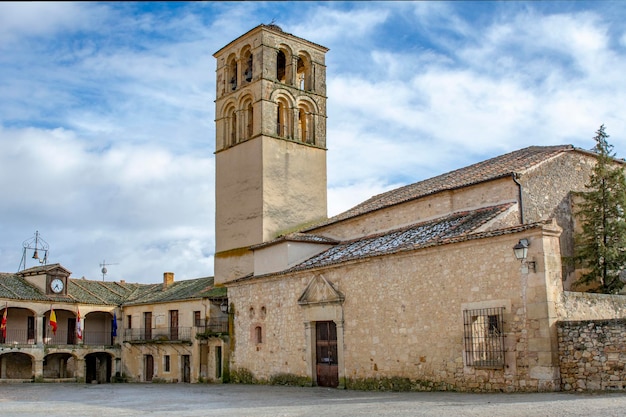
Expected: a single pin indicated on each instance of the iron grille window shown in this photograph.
(484, 337)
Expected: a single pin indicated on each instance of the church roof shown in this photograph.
(491, 169)
(297, 237)
(447, 229)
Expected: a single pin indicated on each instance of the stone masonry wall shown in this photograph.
(403, 318)
(592, 354)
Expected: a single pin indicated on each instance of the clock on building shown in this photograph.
(56, 285)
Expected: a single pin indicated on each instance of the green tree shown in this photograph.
(601, 242)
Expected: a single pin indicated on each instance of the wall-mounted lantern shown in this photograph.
(521, 253)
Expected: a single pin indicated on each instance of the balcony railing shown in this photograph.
(18, 337)
(62, 337)
(214, 325)
(158, 334)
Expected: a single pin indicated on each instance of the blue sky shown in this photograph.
(107, 110)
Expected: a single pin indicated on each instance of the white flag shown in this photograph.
(79, 330)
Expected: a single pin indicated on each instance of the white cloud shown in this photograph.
(19, 19)
(328, 24)
(123, 201)
(107, 112)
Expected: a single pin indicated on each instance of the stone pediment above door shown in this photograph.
(320, 291)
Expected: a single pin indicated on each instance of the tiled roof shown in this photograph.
(498, 167)
(298, 237)
(102, 292)
(17, 288)
(434, 232)
(42, 269)
(13, 286)
(179, 290)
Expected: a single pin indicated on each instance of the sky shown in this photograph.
(107, 133)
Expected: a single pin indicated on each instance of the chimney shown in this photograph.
(168, 279)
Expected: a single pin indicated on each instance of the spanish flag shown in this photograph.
(53, 321)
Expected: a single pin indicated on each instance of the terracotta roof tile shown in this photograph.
(298, 237)
(498, 167)
(82, 291)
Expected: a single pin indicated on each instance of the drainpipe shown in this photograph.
(515, 176)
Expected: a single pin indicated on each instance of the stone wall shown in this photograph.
(403, 317)
(581, 306)
(592, 354)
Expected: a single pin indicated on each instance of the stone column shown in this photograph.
(40, 322)
(38, 368)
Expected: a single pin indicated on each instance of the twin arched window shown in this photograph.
(239, 124)
(302, 128)
(303, 77)
(233, 78)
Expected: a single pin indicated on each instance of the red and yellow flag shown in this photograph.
(3, 325)
(53, 321)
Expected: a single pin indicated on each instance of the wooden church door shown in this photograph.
(326, 354)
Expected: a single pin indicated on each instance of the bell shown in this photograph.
(35, 255)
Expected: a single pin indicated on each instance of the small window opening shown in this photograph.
(281, 67)
(281, 119)
(166, 363)
(250, 121)
(232, 74)
(248, 71)
(233, 128)
(258, 334)
(302, 75)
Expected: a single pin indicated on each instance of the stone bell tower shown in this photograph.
(270, 150)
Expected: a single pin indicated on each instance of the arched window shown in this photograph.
(231, 130)
(281, 120)
(281, 67)
(249, 120)
(247, 62)
(258, 334)
(232, 73)
(306, 126)
(303, 73)
(303, 125)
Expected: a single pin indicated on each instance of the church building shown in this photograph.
(452, 283)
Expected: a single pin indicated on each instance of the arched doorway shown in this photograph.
(59, 366)
(16, 365)
(98, 368)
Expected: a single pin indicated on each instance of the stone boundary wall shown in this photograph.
(592, 354)
(581, 306)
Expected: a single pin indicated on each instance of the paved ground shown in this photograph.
(52, 400)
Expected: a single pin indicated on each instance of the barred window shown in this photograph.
(484, 337)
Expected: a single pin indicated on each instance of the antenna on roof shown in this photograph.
(104, 269)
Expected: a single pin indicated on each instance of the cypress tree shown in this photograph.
(601, 241)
